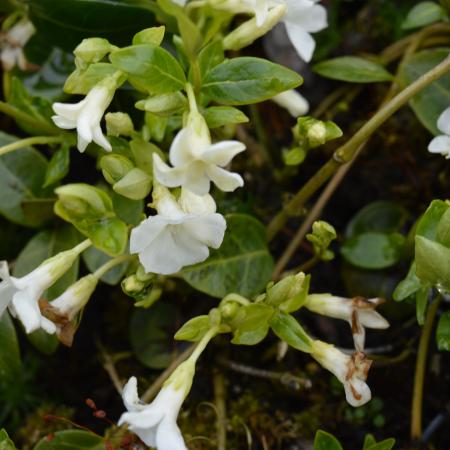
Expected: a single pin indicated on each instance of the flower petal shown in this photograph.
(444, 122)
(301, 40)
(146, 232)
(64, 122)
(25, 304)
(180, 152)
(130, 396)
(440, 144)
(166, 175)
(196, 179)
(169, 437)
(357, 392)
(209, 229)
(147, 418)
(101, 140)
(223, 152)
(372, 319)
(7, 291)
(69, 111)
(224, 180)
(307, 15)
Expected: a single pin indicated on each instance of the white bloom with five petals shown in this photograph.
(350, 370)
(22, 295)
(12, 44)
(441, 144)
(86, 116)
(155, 423)
(196, 162)
(180, 234)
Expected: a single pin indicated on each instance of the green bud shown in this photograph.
(164, 104)
(115, 167)
(136, 184)
(311, 133)
(249, 31)
(142, 275)
(229, 310)
(92, 50)
(132, 286)
(119, 124)
(290, 293)
(294, 156)
(321, 237)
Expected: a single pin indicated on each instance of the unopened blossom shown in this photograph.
(22, 295)
(196, 161)
(156, 423)
(12, 43)
(441, 144)
(180, 234)
(87, 114)
(293, 102)
(358, 312)
(350, 370)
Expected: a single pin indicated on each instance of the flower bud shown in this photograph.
(92, 50)
(136, 184)
(290, 293)
(115, 167)
(293, 102)
(119, 124)
(311, 133)
(249, 31)
(164, 104)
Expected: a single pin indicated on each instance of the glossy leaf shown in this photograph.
(443, 332)
(428, 224)
(58, 166)
(218, 116)
(246, 80)
(353, 69)
(194, 329)
(429, 103)
(423, 14)
(242, 264)
(326, 441)
(290, 331)
(252, 324)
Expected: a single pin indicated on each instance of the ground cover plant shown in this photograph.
(224, 224)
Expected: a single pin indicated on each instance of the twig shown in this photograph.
(108, 365)
(220, 403)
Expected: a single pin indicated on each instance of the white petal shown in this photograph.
(223, 152)
(147, 231)
(209, 229)
(82, 143)
(69, 111)
(9, 56)
(26, 307)
(130, 396)
(64, 123)
(147, 418)
(167, 176)
(444, 122)
(196, 204)
(168, 436)
(180, 152)
(440, 144)
(196, 179)
(301, 40)
(293, 102)
(224, 180)
(85, 126)
(7, 291)
(357, 392)
(101, 140)
(261, 8)
(372, 319)
(307, 15)
(48, 326)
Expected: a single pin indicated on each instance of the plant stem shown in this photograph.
(346, 152)
(35, 140)
(17, 114)
(419, 376)
(221, 410)
(110, 264)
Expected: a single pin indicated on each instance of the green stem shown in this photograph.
(203, 343)
(110, 264)
(82, 246)
(35, 140)
(17, 114)
(346, 153)
(419, 376)
(191, 97)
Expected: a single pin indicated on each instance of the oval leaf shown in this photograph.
(353, 69)
(72, 440)
(423, 14)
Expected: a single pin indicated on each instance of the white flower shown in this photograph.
(12, 44)
(358, 311)
(441, 144)
(196, 161)
(293, 102)
(302, 18)
(180, 234)
(351, 371)
(156, 423)
(22, 295)
(86, 115)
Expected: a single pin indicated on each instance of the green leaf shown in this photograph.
(154, 35)
(326, 441)
(218, 116)
(352, 69)
(82, 81)
(5, 442)
(212, 55)
(430, 102)
(22, 174)
(242, 264)
(72, 440)
(387, 444)
(130, 211)
(95, 258)
(433, 262)
(194, 329)
(67, 23)
(152, 67)
(10, 363)
(443, 229)
(373, 250)
(245, 80)
(381, 216)
(251, 324)
(290, 331)
(151, 332)
(428, 224)
(422, 297)
(58, 166)
(443, 332)
(368, 441)
(423, 14)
